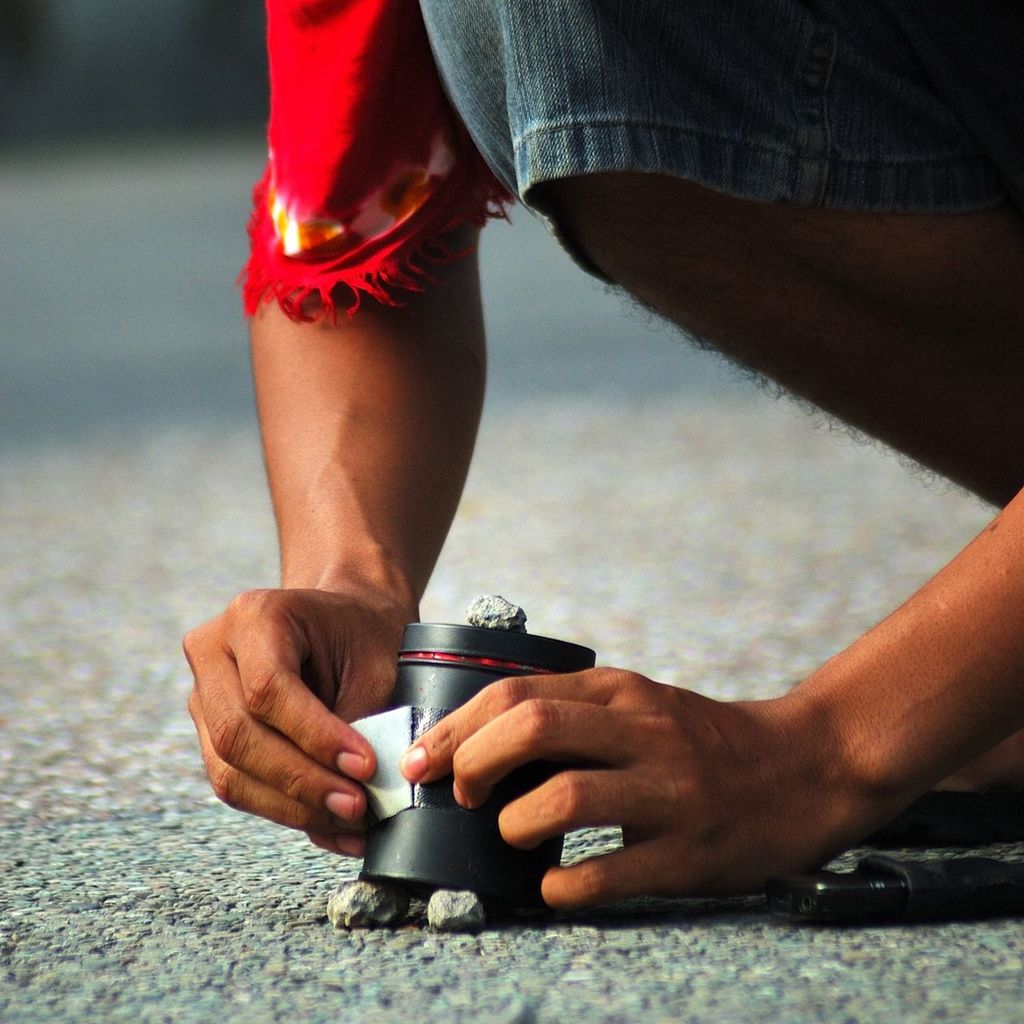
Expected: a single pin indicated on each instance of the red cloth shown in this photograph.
(368, 166)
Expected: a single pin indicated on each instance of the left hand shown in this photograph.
(712, 797)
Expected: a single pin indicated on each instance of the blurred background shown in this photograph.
(130, 135)
(76, 67)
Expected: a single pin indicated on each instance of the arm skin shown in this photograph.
(368, 427)
(716, 797)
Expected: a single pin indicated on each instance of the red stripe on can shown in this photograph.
(471, 659)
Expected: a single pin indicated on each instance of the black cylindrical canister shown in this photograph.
(436, 844)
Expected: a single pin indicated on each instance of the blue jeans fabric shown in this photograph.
(815, 102)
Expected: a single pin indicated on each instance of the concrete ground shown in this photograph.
(704, 535)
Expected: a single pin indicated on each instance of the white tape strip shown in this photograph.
(389, 733)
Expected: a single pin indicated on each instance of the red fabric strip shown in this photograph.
(369, 168)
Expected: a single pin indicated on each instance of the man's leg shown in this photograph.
(910, 327)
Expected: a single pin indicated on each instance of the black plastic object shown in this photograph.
(831, 897)
(954, 888)
(436, 844)
(887, 889)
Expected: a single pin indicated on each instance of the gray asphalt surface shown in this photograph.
(625, 494)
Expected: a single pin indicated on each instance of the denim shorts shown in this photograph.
(871, 105)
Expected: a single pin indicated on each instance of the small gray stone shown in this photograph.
(364, 904)
(451, 910)
(494, 612)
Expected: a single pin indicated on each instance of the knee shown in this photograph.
(616, 222)
(698, 256)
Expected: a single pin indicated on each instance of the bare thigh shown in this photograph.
(910, 327)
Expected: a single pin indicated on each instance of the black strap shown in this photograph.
(956, 887)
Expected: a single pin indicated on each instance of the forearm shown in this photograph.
(368, 428)
(942, 678)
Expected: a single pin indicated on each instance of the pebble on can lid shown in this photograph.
(492, 611)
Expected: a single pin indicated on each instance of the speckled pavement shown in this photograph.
(725, 548)
(714, 539)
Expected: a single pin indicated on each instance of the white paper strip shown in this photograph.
(389, 733)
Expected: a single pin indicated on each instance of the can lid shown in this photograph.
(541, 652)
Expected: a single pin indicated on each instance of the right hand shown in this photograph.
(276, 675)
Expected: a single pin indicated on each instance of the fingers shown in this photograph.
(665, 866)
(584, 798)
(627, 872)
(537, 730)
(269, 745)
(430, 758)
(263, 755)
(276, 695)
(433, 754)
(345, 845)
(247, 793)
(256, 644)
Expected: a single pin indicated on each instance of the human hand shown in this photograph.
(712, 797)
(276, 676)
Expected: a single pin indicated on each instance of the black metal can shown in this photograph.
(435, 843)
